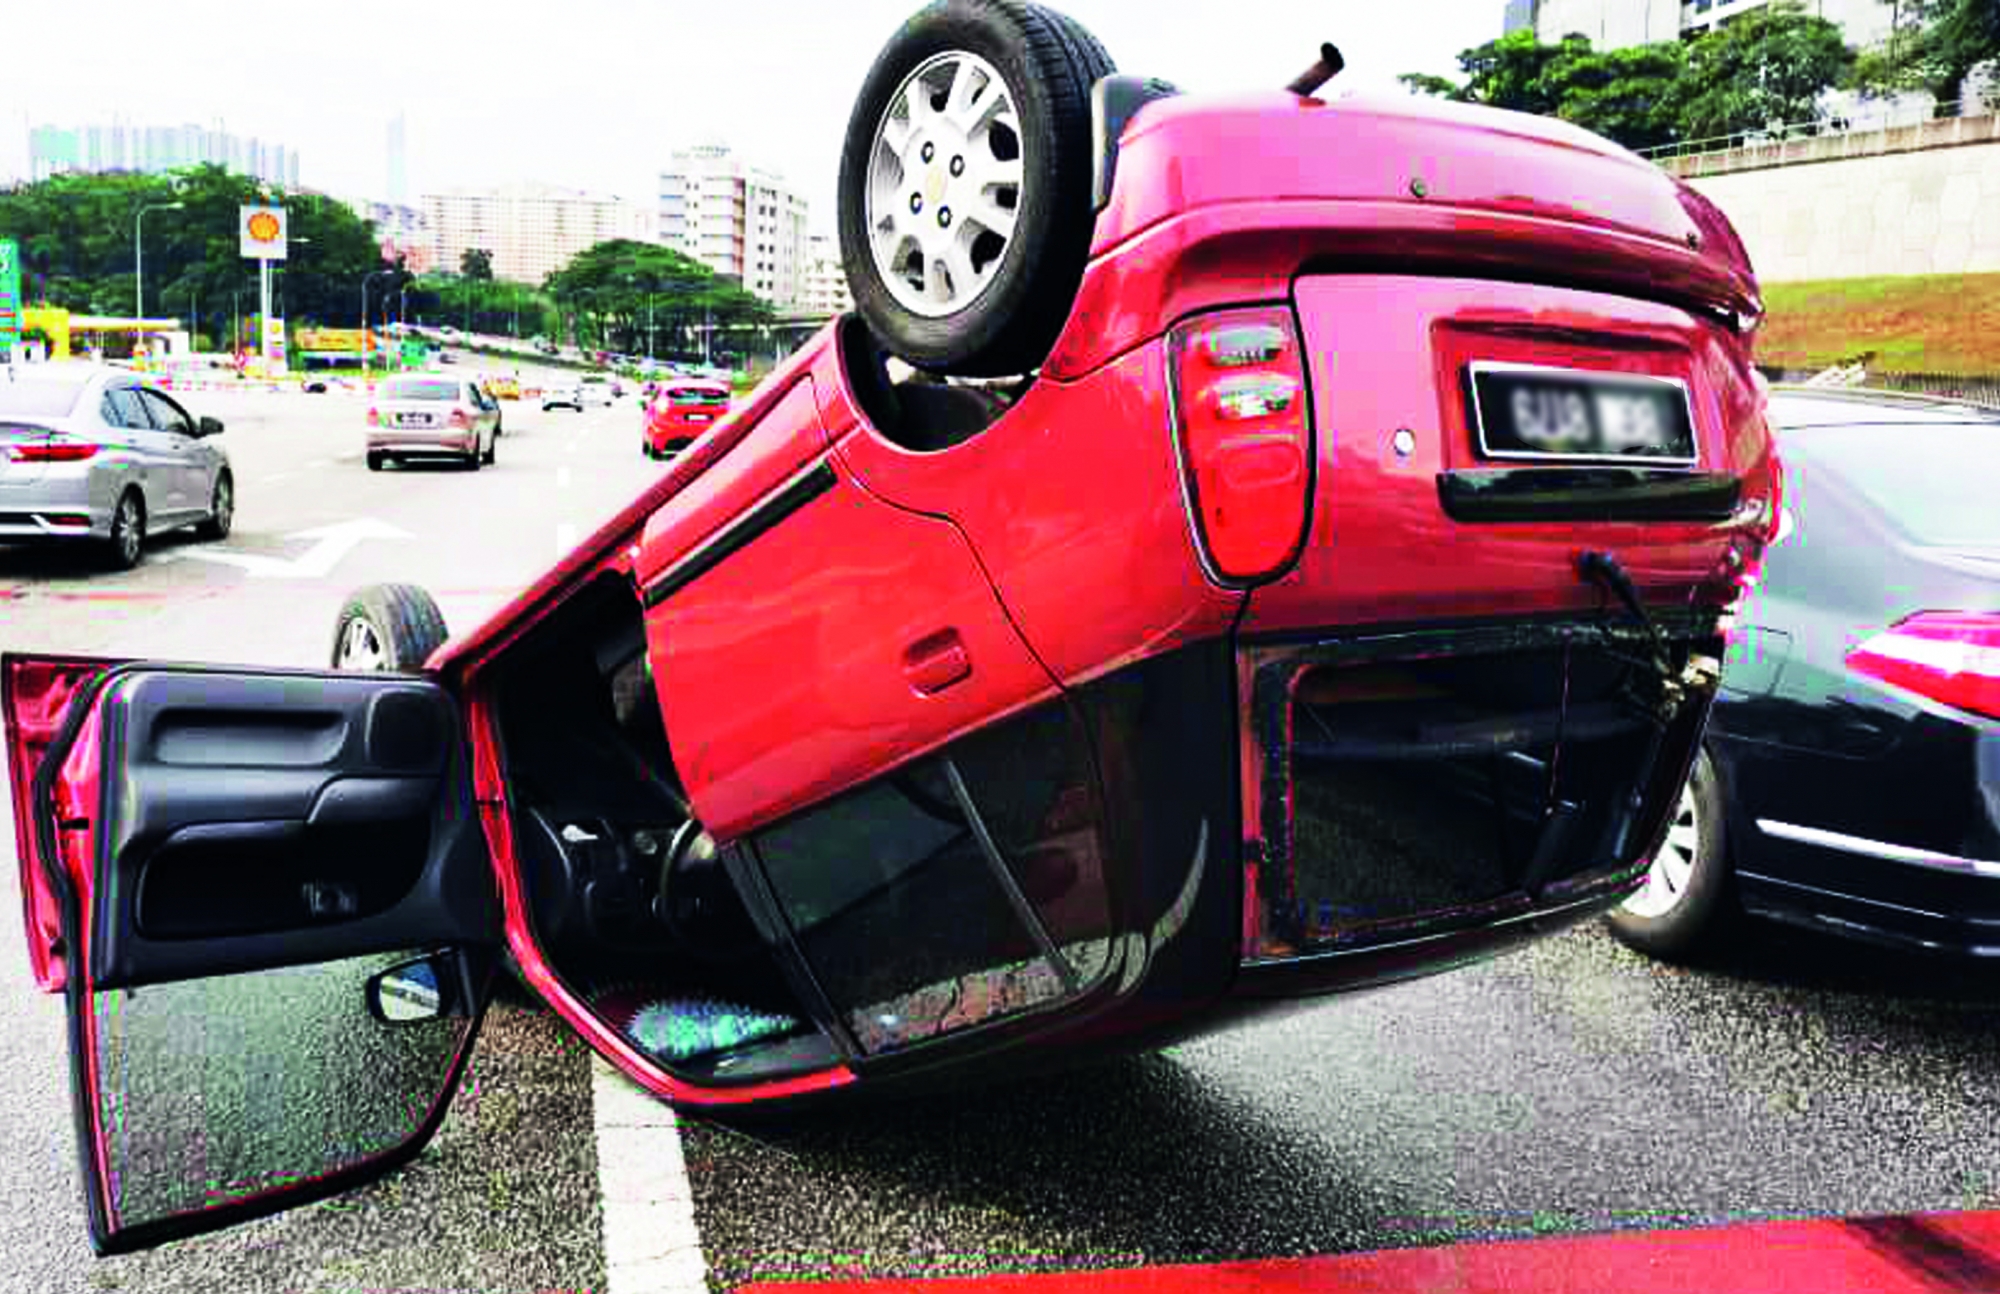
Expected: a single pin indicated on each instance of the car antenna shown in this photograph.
(1328, 67)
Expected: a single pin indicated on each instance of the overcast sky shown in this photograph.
(597, 93)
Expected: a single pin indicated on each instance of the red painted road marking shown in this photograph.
(1928, 1253)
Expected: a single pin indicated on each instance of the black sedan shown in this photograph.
(1850, 780)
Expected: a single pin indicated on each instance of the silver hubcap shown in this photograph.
(128, 529)
(361, 648)
(225, 504)
(1673, 867)
(944, 184)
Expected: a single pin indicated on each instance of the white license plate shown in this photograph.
(1530, 411)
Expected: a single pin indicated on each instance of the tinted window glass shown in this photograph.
(421, 390)
(122, 409)
(166, 415)
(1933, 481)
(695, 395)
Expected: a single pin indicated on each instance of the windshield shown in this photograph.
(406, 390)
(697, 395)
(1934, 480)
(39, 394)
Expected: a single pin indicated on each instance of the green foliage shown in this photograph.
(1768, 67)
(493, 306)
(476, 263)
(76, 236)
(1937, 42)
(613, 290)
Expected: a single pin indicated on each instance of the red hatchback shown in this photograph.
(682, 409)
(1299, 564)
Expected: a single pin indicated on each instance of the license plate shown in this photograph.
(699, 417)
(1526, 411)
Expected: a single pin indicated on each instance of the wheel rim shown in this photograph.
(945, 183)
(1672, 870)
(361, 648)
(128, 528)
(225, 504)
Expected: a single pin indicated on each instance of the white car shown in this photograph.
(595, 388)
(562, 397)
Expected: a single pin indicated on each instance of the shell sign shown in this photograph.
(261, 231)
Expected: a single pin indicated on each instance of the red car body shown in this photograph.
(680, 410)
(1232, 583)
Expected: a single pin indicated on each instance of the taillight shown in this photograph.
(1952, 657)
(460, 418)
(52, 451)
(1245, 428)
(374, 418)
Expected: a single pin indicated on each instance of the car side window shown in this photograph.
(166, 415)
(122, 409)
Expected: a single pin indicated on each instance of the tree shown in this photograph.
(476, 263)
(1509, 72)
(609, 287)
(1622, 94)
(1767, 68)
(1937, 43)
(1433, 87)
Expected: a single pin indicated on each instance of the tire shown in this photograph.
(127, 541)
(221, 509)
(1686, 905)
(375, 462)
(1024, 282)
(492, 448)
(387, 628)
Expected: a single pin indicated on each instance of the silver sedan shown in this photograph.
(94, 454)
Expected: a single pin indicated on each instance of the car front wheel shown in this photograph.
(128, 532)
(390, 628)
(1686, 901)
(221, 510)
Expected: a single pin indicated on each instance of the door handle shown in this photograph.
(936, 662)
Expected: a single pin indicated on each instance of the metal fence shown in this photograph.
(1976, 390)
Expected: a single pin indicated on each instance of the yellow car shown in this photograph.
(503, 388)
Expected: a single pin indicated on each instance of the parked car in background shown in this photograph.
(1850, 779)
(98, 455)
(421, 416)
(566, 396)
(504, 387)
(598, 389)
(679, 411)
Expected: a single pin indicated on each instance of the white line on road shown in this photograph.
(565, 539)
(562, 477)
(276, 477)
(651, 1242)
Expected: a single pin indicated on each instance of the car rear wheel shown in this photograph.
(492, 447)
(391, 628)
(375, 462)
(1685, 902)
(965, 201)
(221, 510)
(128, 532)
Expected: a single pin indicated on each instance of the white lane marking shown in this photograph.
(651, 1242)
(565, 539)
(275, 478)
(331, 543)
(562, 477)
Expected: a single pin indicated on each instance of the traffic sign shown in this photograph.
(261, 232)
(10, 294)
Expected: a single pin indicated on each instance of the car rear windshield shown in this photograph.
(33, 395)
(1934, 481)
(420, 391)
(696, 395)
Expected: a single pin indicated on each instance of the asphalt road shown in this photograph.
(1571, 1087)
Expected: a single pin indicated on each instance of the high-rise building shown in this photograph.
(826, 291)
(53, 150)
(1616, 24)
(530, 229)
(742, 222)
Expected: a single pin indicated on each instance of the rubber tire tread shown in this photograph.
(994, 342)
(1697, 924)
(113, 556)
(410, 616)
(207, 529)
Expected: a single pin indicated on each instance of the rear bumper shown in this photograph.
(59, 506)
(408, 440)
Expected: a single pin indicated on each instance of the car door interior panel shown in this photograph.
(265, 819)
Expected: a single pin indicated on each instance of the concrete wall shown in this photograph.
(1934, 211)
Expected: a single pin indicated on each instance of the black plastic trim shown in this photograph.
(1114, 101)
(735, 538)
(1588, 494)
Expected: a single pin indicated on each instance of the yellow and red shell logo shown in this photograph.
(264, 227)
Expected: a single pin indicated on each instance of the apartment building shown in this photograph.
(1616, 24)
(826, 291)
(120, 146)
(531, 229)
(402, 230)
(743, 222)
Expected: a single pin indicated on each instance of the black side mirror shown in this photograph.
(208, 427)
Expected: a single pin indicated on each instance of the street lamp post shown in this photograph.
(139, 254)
(366, 280)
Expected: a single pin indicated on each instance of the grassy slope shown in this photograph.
(1934, 323)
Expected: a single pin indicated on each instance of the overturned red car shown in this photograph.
(1295, 559)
